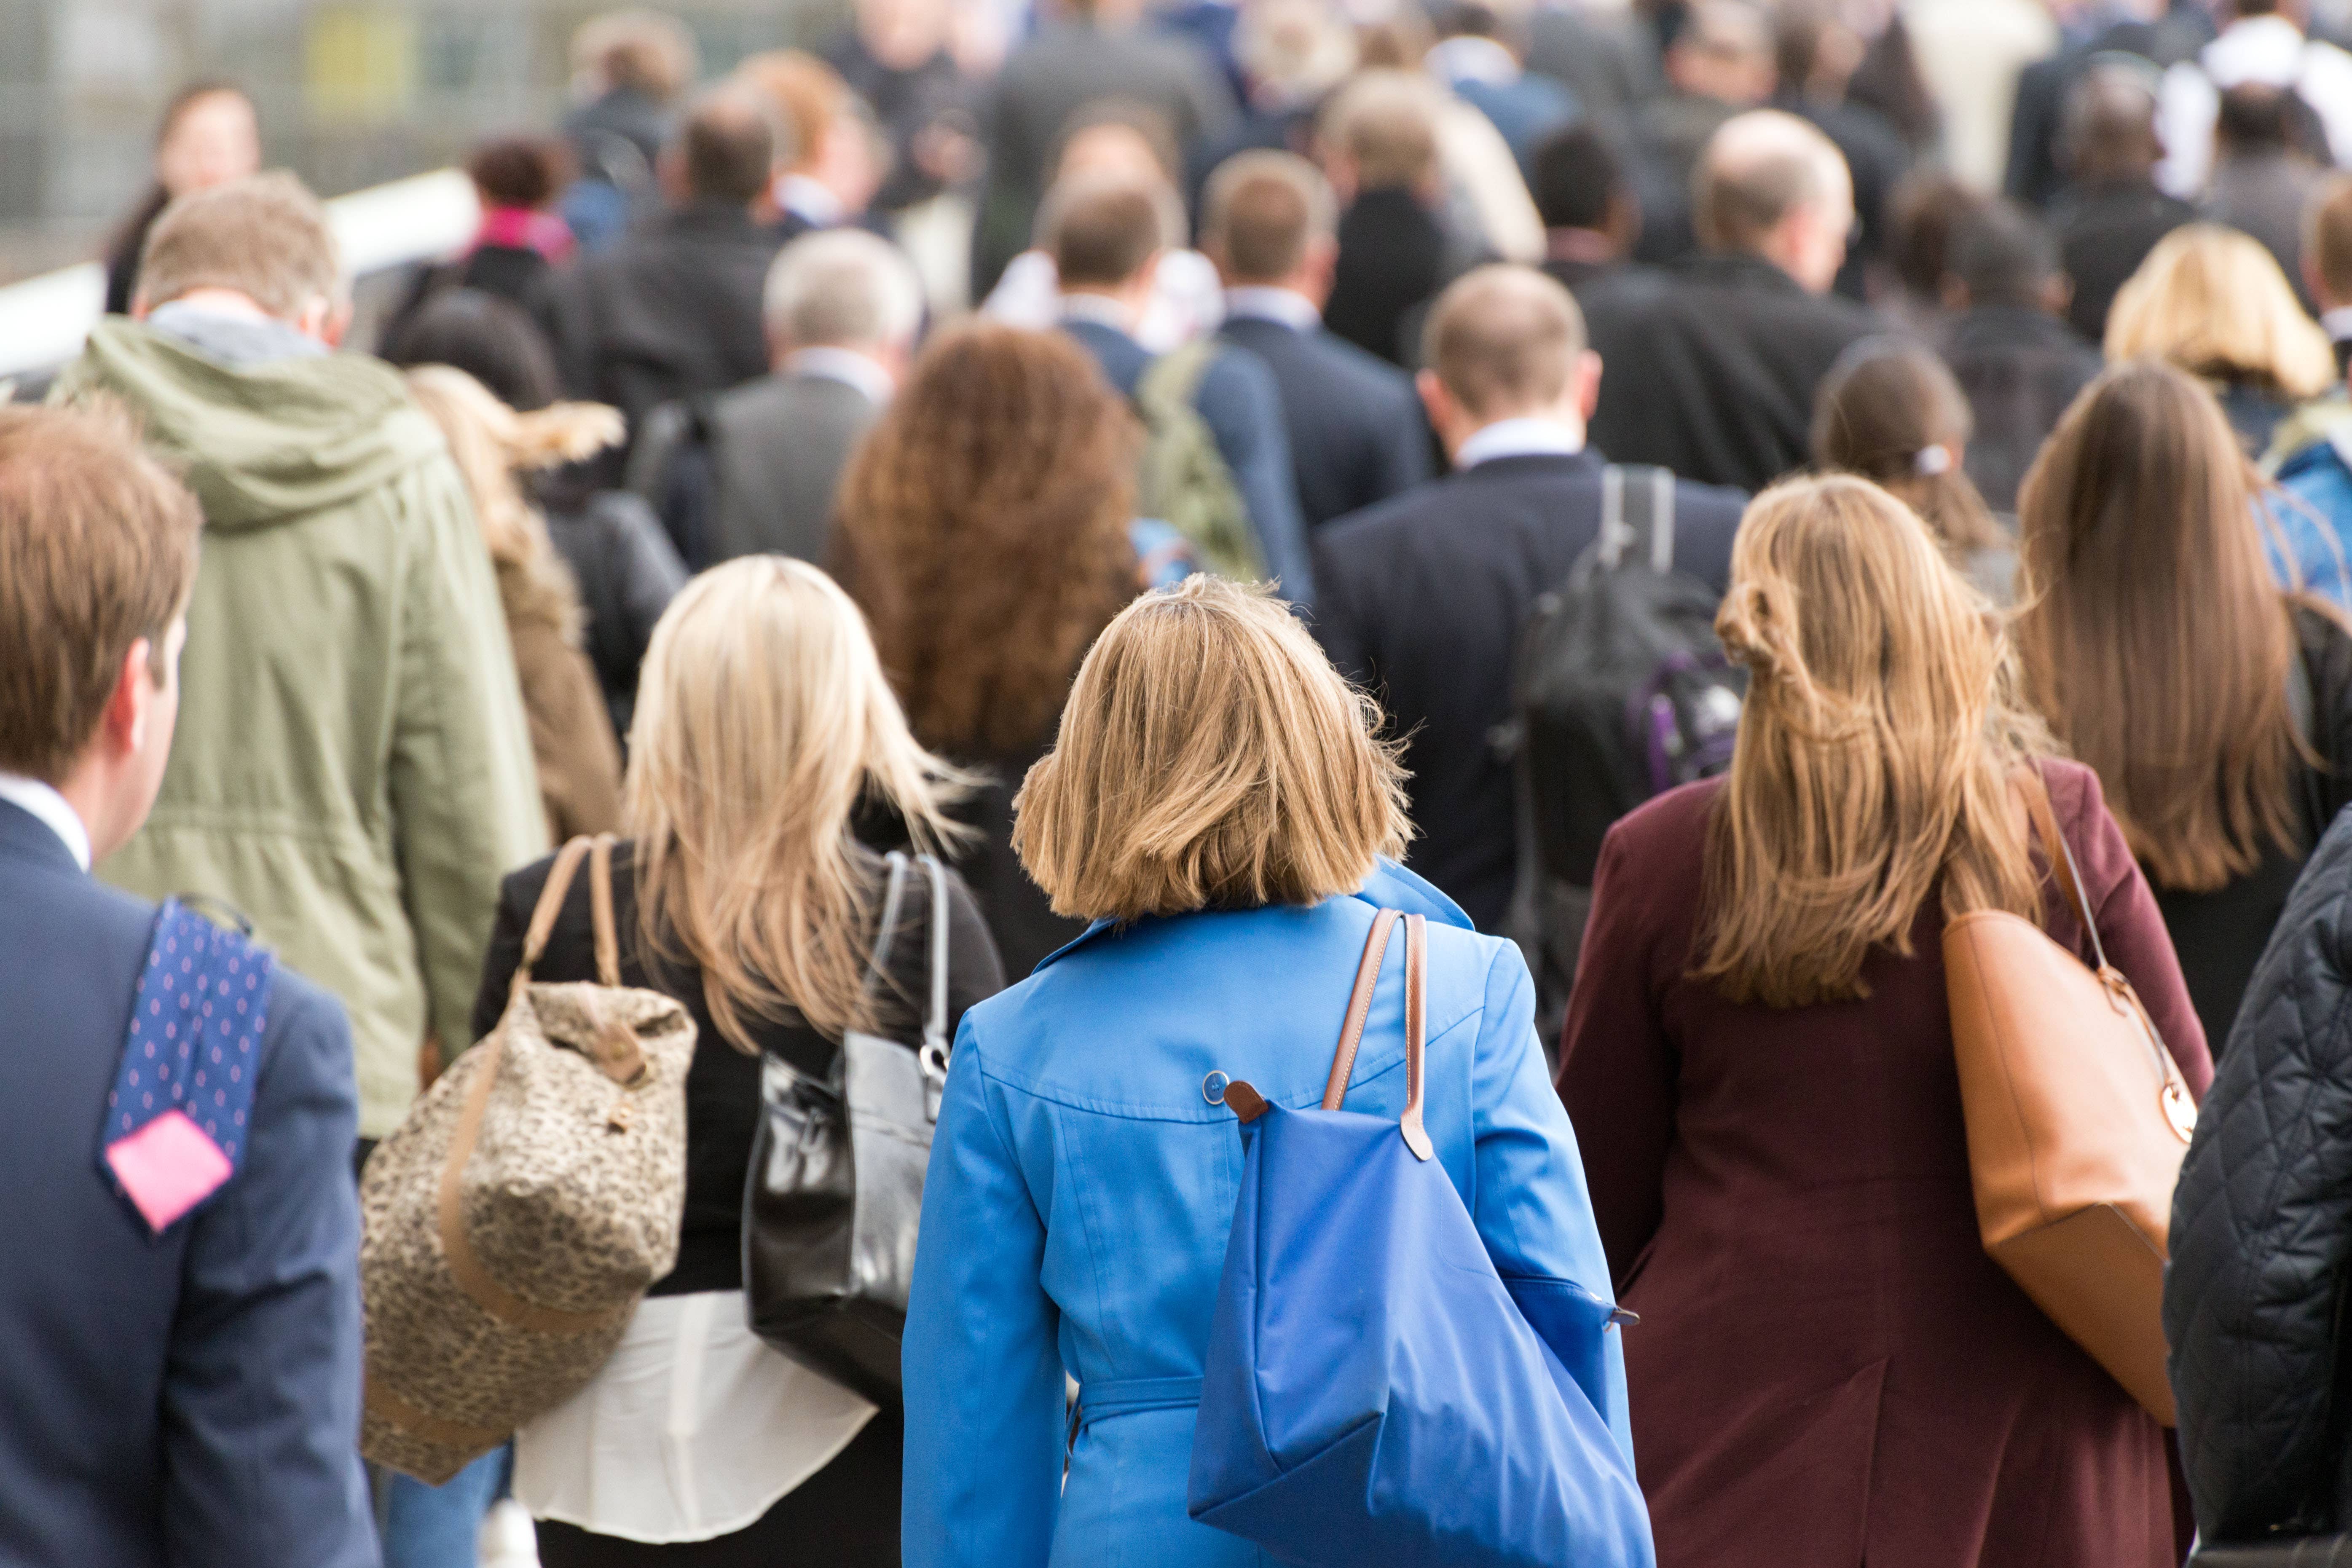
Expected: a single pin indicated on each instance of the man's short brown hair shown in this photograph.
(2327, 241)
(1261, 211)
(726, 146)
(265, 235)
(97, 549)
(1504, 337)
(1102, 228)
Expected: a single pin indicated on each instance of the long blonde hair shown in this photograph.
(2156, 640)
(762, 718)
(2213, 302)
(492, 445)
(1874, 751)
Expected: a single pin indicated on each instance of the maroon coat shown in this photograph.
(1829, 1370)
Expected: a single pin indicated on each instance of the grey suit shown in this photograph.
(775, 451)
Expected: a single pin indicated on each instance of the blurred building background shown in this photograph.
(350, 92)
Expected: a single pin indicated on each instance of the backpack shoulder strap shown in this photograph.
(1637, 510)
(1170, 381)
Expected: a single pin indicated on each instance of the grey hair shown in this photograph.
(844, 287)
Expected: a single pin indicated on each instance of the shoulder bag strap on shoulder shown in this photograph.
(549, 905)
(1416, 1018)
(1360, 1005)
(2035, 794)
(887, 928)
(600, 904)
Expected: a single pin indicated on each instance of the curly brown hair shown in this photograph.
(982, 527)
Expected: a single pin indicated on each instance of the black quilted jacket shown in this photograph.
(2262, 1233)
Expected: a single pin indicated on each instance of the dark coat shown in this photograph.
(2261, 1236)
(191, 1399)
(1608, 58)
(671, 309)
(1422, 599)
(2020, 367)
(774, 448)
(2040, 111)
(1829, 1369)
(2264, 195)
(1357, 432)
(628, 575)
(1716, 375)
(1394, 254)
(2104, 232)
(2219, 935)
(1238, 401)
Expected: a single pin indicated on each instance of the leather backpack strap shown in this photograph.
(600, 903)
(549, 905)
(1360, 1007)
(1416, 1027)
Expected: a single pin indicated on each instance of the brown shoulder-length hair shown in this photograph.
(1890, 411)
(2155, 640)
(1211, 758)
(1875, 752)
(982, 527)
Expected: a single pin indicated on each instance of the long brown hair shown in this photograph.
(1889, 411)
(2155, 639)
(1874, 751)
(982, 527)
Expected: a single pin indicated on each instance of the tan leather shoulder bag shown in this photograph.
(2078, 1120)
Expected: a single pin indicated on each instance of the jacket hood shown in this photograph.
(258, 444)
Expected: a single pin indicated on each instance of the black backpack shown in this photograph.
(1620, 692)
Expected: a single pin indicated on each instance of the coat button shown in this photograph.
(1212, 1088)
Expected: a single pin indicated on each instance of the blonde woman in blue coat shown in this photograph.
(1218, 808)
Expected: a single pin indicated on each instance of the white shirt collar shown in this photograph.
(1518, 439)
(805, 198)
(47, 804)
(2337, 323)
(1099, 309)
(1285, 306)
(847, 366)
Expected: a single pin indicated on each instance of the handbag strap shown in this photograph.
(1249, 1105)
(549, 905)
(2061, 856)
(935, 1020)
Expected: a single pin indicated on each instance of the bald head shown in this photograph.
(1773, 186)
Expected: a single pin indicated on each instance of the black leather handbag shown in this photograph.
(835, 1187)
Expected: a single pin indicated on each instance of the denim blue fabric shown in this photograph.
(440, 1527)
(1377, 1393)
(1083, 1184)
(2314, 525)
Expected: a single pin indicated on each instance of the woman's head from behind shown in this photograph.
(982, 526)
(2213, 302)
(1873, 751)
(2155, 639)
(1889, 411)
(761, 719)
(1210, 758)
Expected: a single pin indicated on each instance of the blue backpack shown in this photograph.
(1374, 1390)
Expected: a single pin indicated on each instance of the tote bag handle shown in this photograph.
(1249, 1105)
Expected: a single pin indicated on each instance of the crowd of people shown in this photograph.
(1120, 459)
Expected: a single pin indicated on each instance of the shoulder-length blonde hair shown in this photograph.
(2213, 302)
(982, 527)
(762, 720)
(1875, 752)
(1210, 758)
(491, 445)
(2155, 639)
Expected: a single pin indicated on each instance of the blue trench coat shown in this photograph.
(1082, 1185)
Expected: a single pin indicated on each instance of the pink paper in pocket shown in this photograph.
(168, 1167)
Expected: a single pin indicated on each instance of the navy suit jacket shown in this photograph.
(1238, 402)
(193, 1399)
(1356, 434)
(1422, 600)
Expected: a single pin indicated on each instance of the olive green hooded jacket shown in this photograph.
(353, 769)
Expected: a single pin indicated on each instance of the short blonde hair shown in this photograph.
(1503, 338)
(1385, 122)
(265, 235)
(1210, 758)
(2213, 302)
